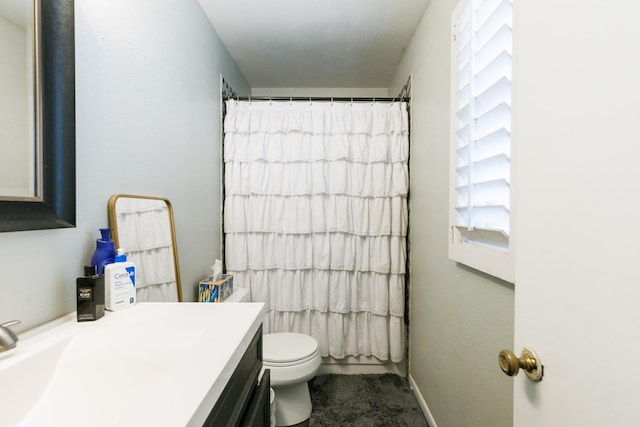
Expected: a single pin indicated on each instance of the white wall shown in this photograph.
(321, 92)
(147, 111)
(459, 318)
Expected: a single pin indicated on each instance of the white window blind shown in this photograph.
(481, 133)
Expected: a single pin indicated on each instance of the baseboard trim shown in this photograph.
(358, 370)
(361, 365)
(422, 403)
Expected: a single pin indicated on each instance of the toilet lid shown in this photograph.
(287, 347)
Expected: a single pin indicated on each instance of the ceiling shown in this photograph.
(316, 43)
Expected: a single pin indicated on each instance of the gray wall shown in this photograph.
(147, 110)
(459, 318)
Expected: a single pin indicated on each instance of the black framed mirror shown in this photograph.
(57, 207)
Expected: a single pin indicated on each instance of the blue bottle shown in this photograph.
(105, 252)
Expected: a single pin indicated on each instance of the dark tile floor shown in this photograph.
(364, 400)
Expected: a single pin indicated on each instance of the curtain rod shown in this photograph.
(406, 89)
(317, 98)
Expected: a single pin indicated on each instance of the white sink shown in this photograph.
(153, 363)
(25, 380)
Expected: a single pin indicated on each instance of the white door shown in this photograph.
(576, 180)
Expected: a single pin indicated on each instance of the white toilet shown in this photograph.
(293, 360)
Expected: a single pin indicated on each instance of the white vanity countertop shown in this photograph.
(152, 364)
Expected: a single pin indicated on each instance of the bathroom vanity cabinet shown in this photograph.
(245, 398)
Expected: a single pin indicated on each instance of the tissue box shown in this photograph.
(215, 290)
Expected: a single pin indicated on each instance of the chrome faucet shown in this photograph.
(8, 338)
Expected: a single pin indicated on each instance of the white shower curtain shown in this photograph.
(315, 219)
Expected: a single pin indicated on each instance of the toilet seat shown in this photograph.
(272, 364)
(288, 349)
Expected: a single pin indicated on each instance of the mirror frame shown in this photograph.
(58, 206)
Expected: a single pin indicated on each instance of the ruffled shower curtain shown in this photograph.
(315, 219)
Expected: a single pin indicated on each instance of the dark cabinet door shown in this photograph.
(232, 404)
(258, 413)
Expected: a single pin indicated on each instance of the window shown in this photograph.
(481, 136)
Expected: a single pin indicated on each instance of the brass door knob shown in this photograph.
(528, 361)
